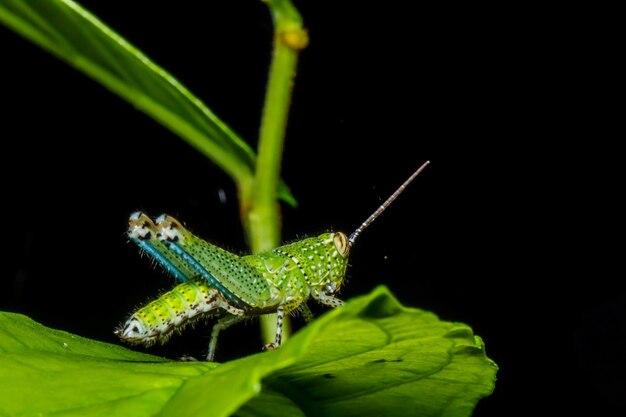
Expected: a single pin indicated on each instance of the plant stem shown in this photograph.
(262, 215)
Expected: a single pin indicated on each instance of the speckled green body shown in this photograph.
(220, 283)
(296, 271)
(177, 308)
(258, 284)
(217, 282)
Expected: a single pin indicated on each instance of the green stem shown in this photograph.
(262, 214)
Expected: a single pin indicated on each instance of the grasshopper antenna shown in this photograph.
(386, 204)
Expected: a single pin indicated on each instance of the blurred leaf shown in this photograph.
(371, 357)
(67, 30)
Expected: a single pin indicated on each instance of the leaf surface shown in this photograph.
(371, 357)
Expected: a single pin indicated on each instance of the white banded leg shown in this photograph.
(280, 315)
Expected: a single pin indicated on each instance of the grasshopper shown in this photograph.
(216, 282)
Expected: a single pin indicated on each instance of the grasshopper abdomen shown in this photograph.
(172, 311)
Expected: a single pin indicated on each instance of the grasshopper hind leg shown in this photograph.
(222, 324)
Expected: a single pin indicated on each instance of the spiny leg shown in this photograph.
(280, 314)
(327, 299)
(306, 313)
(222, 324)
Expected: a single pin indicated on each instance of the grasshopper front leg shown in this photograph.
(306, 313)
(327, 299)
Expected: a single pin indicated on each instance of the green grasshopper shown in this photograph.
(216, 282)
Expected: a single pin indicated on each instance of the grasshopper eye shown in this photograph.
(341, 243)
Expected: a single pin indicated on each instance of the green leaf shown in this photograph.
(45, 371)
(371, 357)
(67, 30)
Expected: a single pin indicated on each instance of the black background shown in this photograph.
(512, 229)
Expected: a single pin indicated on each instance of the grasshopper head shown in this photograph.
(331, 269)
